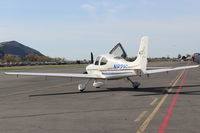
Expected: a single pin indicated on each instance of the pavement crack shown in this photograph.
(62, 113)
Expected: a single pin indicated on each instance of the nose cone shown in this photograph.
(89, 67)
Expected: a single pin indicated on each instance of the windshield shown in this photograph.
(103, 61)
(97, 61)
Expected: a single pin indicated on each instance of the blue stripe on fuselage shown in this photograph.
(115, 73)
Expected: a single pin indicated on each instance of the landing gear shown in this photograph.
(82, 87)
(134, 84)
(165, 91)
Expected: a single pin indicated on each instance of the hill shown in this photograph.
(17, 49)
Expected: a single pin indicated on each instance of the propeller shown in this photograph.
(91, 61)
(92, 58)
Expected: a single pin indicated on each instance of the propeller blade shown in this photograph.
(92, 58)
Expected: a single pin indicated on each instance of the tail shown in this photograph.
(141, 60)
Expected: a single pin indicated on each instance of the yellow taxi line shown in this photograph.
(151, 116)
(154, 101)
(140, 116)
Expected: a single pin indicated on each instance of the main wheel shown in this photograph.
(136, 85)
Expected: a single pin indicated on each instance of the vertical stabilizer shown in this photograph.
(141, 60)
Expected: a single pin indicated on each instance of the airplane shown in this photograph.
(113, 66)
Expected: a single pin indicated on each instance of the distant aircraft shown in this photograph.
(113, 66)
(196, 57)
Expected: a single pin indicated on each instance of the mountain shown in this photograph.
(17, 49)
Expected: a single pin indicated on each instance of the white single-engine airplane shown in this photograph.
(111, 66)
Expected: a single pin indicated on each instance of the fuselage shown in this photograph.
(109, 66)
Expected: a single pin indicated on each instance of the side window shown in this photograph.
(103, 61)
(97, 61)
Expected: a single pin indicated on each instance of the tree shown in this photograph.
(9, 58)
(17, 59)
(184, 58)
(179, 56)
(188, 55)
(32, 57)
(44, 59)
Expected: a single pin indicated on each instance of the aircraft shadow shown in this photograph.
(162, 90)
(148, 91)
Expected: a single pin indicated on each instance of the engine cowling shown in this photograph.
(98, 84)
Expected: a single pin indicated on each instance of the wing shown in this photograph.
(150, 68)
(169, 69)
(72, 75)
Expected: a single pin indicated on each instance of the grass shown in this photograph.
(37, 67)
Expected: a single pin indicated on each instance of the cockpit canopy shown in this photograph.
(118, 51)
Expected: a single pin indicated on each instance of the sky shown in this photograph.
(74, 28)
